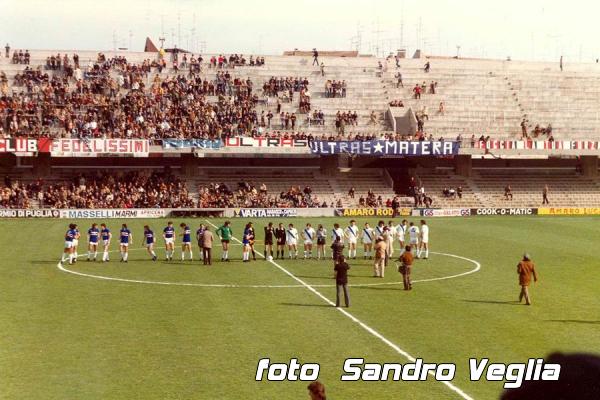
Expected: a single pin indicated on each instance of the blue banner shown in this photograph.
(386, 148)
(191, 143)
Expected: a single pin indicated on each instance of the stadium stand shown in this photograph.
(137, 95)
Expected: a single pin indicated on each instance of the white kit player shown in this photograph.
(291, 239)
(337, 233)
(424, 245)
(309, 236)
(379, 229)
(351, 234)
(392, 236)
(401, 231)
(413, 235)
(368, 236)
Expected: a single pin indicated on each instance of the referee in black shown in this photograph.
(269, 234)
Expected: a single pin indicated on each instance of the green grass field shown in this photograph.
(67, 336)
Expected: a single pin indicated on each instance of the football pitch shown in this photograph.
(181, 330)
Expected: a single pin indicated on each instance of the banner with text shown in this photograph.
(18, 146)
(114, 213)
(29, 213)
(265, 142)
(95, 147)
(386, 148)
(371, 212)
(569, 211)
(191, 144)
(265, 212)
(537, 145)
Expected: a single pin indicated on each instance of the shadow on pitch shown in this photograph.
(573, 321)
(507, 303)
(379, 288)
(304, 305)
(43, 262)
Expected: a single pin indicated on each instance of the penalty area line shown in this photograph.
(354, 319)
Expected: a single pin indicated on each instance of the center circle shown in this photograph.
(232, 285)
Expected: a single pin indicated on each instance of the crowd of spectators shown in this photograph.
(20, 57)
(235, 60)
(114, 99)
(284, 84)
(247, 194)
(344, 118)
(335, 88)
(14, 194)
(452, 193)
(118, 190)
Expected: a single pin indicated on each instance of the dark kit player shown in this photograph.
(269, 236)
(280, 234)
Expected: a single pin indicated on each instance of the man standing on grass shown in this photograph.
(341, 281)
(526, 270)
(406, 262)
(380, 255)
(207, 241)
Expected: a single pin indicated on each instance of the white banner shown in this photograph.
(114, 213)
(94, 147)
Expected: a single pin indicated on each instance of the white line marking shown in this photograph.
(360, 323)
(233, 285)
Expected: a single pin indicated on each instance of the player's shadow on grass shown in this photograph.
(507, 303)
(395, 288)
(43, 262)
(304, 305)
(573, 321)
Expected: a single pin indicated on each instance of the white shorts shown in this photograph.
(308, 242)
(125, 244)
(292, 242)
(149, 245)
(169, 240)
(425, 240)
(68, 245)
(367, 241)
(184, 243)
(414, 241)
(75, 242)
(105, 242)
(351, 241)
(93, 243)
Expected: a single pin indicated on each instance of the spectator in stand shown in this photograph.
(459, 191)
(351, 192)
(524, 129)
(432, 87)
(399, 80)
(417, 91)
(7, 50)
(315, 57)
(442, 108)
(427, 67)
(508, 193)
(545, 195)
